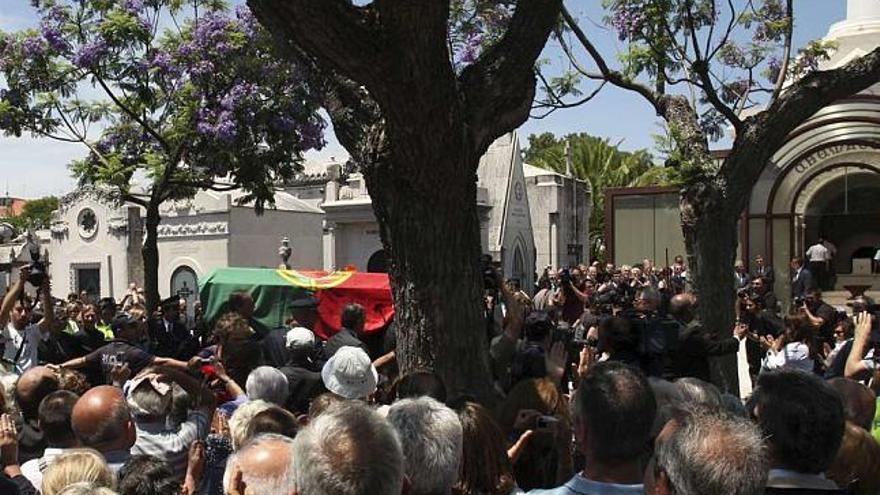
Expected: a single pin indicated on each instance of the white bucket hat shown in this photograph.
(350, 373)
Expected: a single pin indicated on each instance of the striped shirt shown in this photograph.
(171, 444)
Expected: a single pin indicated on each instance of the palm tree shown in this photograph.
(601, 165)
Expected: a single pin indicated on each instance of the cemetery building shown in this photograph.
(824, 181)
(529, 217)
(95, 245)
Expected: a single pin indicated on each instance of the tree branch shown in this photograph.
(147, 127)
(341, 35)
(768, 130)
(499, 87)
(612, 76)
(786, 55)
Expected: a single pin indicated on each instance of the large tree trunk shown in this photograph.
(711, 240)
(150, 253)
(430, 228)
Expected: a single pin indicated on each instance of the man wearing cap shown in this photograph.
(123, 350)
(304, 383)
(350, 374)
(168, 336)
(274, 342)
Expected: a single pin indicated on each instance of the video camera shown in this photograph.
(37, 267)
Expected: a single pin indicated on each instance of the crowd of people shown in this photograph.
(602, 385)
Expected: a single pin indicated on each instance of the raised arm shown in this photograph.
(855, 364)
(47, 324)
(12, 295)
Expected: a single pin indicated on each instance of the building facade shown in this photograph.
(529, 217)
(824, 181)
(95, 245)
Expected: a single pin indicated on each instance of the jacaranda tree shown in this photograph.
(172, 95)
(706, 67)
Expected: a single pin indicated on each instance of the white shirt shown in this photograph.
(818, 252)
(12, 339)
(34, 468)
(877, 256)
(794, 355)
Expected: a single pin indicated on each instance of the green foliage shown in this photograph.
(184, 97)
(36, 214)
(601, 164)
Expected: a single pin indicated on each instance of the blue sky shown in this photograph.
(36, 167)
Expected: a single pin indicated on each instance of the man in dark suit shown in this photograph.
(168, 335)
(353, 319)
(763, 270)
(802, 280)
(695, 344)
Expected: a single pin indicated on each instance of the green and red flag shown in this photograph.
(273, 292)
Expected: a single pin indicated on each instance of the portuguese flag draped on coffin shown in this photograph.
(274, 290)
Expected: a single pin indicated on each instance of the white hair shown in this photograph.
(86, 488)
(280, 484)
(241, 419)
(431, 436)
(268, 384)
(348, 450)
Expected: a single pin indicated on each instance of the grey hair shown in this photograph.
(268, 384)
(146, 403)
(695, 392)
(431, 436)
(86, 488)
(264, 485)
(337, 453)
(714, 452)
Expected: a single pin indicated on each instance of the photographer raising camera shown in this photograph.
(20, 338)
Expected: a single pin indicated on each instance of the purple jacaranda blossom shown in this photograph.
(185, 50)
(90, 53)
(205, 129)
(774, 67)
(211, 30)
(133, 6)
(33, 47)
(237, 95)
(54, 38)
(57, 14)
(162, 61)
(628, 20)
(202, 68)
(226, 128)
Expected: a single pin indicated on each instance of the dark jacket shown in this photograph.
(801, 283)
(695, 347)
(303, 384)
(340, 339)
(766, 272)
(173, 344)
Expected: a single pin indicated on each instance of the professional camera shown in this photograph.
(37, 267)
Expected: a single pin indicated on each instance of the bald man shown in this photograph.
(262, 466)
(30, 389)
(695, 343)
(101, 420)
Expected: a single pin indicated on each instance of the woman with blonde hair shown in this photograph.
(74, 466)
